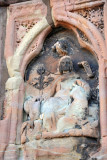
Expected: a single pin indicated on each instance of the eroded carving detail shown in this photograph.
(87, 68)
(65, 112)
(65, 64)
(22, 28)
(49, 86)
(94, 15)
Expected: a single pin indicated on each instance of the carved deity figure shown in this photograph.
(70, 101)
(66, 105)
(65, 64)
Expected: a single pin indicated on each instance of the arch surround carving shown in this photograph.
(15, 84)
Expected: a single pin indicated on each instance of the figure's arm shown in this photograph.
(55, 86)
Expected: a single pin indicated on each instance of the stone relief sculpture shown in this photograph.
(65, 109)
(58, 102)
(65, 64)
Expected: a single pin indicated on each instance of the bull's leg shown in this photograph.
(49, 122)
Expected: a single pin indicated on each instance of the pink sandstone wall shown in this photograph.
(29, 23)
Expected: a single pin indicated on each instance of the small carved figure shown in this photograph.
(61, 46)
(65, 64)
(87, 68)
(32, 108)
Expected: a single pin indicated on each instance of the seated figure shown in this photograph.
(66, 108)
(56, 109)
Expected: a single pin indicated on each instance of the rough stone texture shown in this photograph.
(59, 149)
(25, 35)
(68, 18)
(8, 2)
(52, 56)
(11, 123)
(95, 15)
(3, 68)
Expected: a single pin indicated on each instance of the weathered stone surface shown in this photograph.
(51, 123)
(66, 19)
(3, 68)
(8, 2)
(64, 149)
(60, 99)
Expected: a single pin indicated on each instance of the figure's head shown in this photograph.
(62, 47)
(65, 64)
(81, 89)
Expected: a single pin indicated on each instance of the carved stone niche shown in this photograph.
(52, 108)
(61, 100)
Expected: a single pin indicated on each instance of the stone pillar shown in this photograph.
(3, 68)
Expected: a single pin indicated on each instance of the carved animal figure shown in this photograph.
(77, 111)
(80, 93)
(62, 105)
(32, 108)
(61, 47)
(50, 110)
(65, 64)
